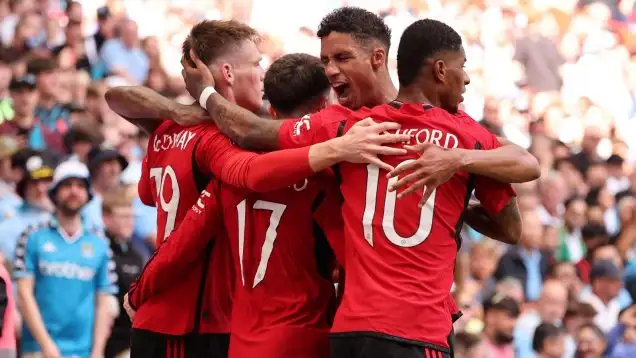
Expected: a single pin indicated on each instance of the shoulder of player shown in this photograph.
(333, 113)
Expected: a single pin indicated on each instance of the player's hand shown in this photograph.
(365, 141)
(50, 350)
(129, 310)
(434, 167)
(196, 78)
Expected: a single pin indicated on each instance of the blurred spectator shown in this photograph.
(469, 345)
(577, 315)
(621, 340)
(105, 30)
(52, 117)
(594, 236)
(590, 341)
(9, 317)
(36, 207)
(572, 248)
(552, 189)
(500, 316)
(548, 341)
(550, 308)
(588, 155)
(118, 225)
(566, 273)
(105, 166)
(8, 196)
(617, 180)
(606, 282)
(525, 262)
(24, 98)
(123, 57)
(62, 258)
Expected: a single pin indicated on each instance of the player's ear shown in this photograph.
(439, 70)
(227, 73)
(272, 112)
(378, 58)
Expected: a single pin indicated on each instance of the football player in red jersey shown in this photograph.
(180, 161)
(402, 268)
(284, 301)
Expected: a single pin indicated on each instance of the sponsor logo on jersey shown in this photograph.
(303, 122)
(87, 250)
(69, 270)
(48, 247)
(172, 141)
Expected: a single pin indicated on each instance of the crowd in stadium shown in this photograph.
(77, 130)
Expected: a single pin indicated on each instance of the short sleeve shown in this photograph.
(143, 187)
(26, 255)
(313, 128)
(106, 275)
(493, 195)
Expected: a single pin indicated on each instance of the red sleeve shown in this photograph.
(249, 170)
(312, 128)
(493, 195)
(328, 217)
(143, 187)
(176, 253)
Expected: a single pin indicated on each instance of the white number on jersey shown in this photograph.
(426, 213)
(270, 235)
(160, 175)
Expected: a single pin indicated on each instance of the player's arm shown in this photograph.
(24, 273)
(146, 108)
(276, 170)
(174, 256)
(505, 226)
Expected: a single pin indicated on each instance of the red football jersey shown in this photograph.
(174, 174)
(284, 299)
(399, 259)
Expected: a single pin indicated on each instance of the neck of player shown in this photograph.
(71, 224)
(415, 94)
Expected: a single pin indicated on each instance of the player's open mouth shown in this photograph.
(342, 91)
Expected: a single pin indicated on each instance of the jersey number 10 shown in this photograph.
(388, 217)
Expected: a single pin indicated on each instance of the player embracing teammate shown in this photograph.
(398, 256)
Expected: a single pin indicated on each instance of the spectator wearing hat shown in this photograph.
(606, 283)
(548, 341)
(65, 276)
(52, 117)
(24, 97)
(36, 207)
(8, 197)
(500, 316)
(105, 167)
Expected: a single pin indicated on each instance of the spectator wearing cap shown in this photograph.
(105, 28)
(24, 97)
(124, 57)
(105, 166)
(610, 253)
(571, 246)
(500, 316)
(36, 207)
(525, 261)
(8, 197)
(606, 282)
(53, 118)
(548, 341)
(65, 276)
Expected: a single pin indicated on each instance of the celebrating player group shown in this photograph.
(326, 230)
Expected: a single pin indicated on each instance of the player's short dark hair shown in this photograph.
(212, 38)
(293, 80)
(542, 333)
(361, 24)
(421, 40)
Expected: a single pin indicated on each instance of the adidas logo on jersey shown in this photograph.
(69, 270)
